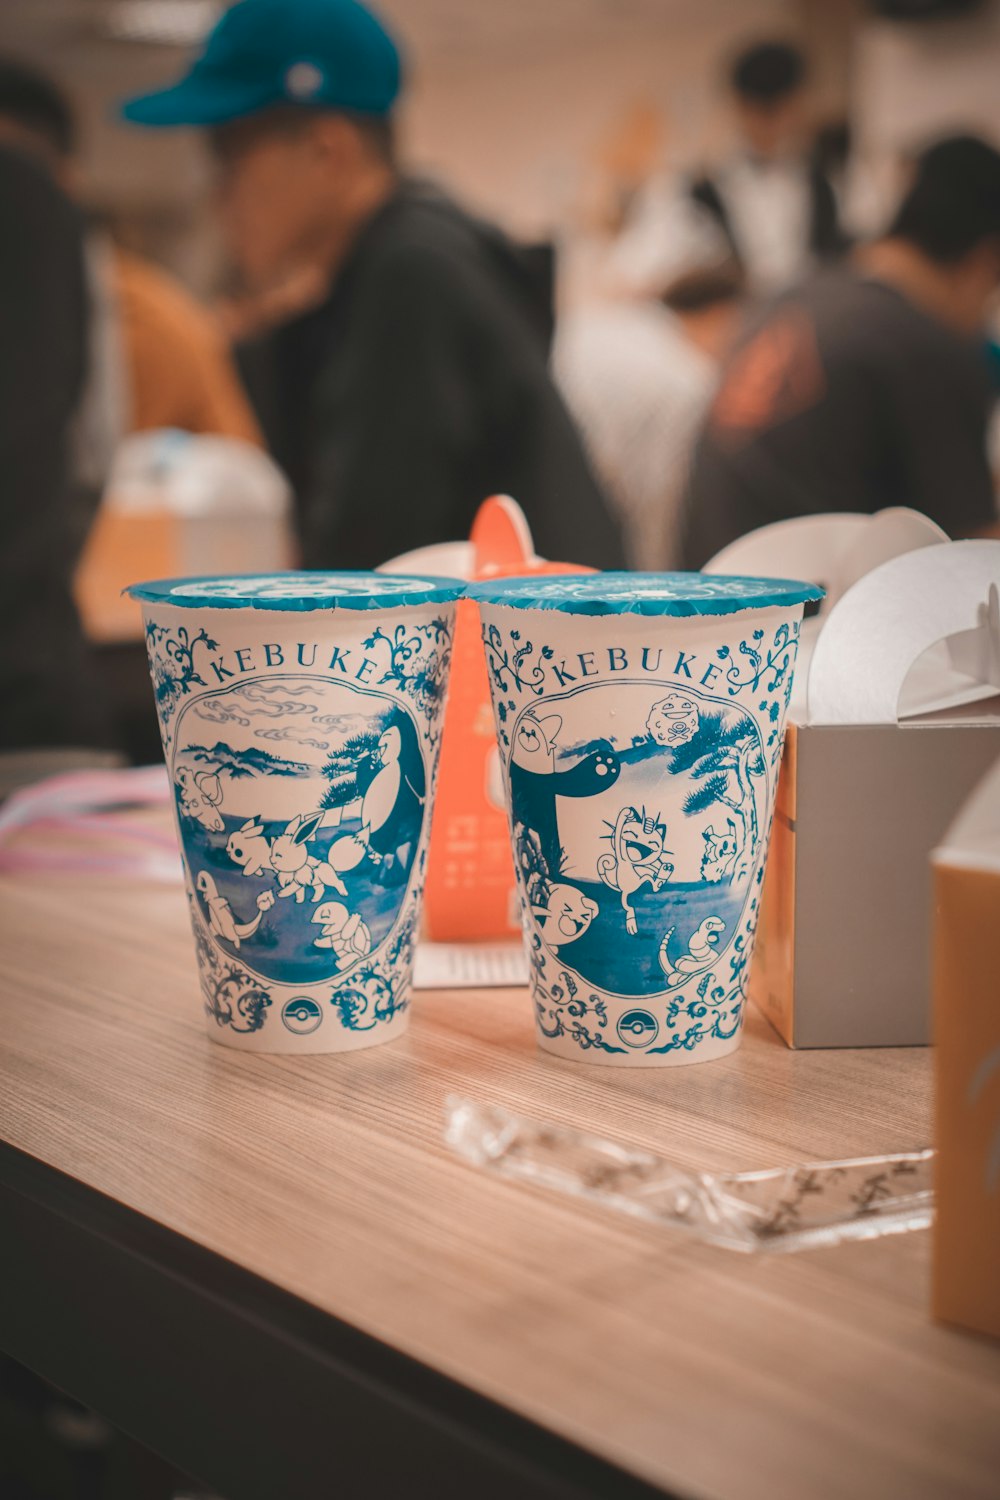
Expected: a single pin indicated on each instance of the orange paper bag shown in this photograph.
(470, 876)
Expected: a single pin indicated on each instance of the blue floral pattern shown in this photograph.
(512, 664)
(416, 660)
(174, 666)
(758, 661)
(377, 993)
(560, 1007)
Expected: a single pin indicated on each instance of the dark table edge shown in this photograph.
(251, 1389)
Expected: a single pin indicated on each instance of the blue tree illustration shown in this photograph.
(723, 756)
(350, 770)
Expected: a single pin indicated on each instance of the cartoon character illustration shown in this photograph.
(250, 848)
(720, 852)
(300, 871)
(199, 795)
(391, 810)
(594, 773)
(535, 783)
(673, 720)
(534, 746)
(701, 953)
(346, 854)
(562, 912)
(638, 858)
(345, 933)
(221, 920)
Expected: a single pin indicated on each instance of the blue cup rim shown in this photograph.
(321, 590)
(678, 594)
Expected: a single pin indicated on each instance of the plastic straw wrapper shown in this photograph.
(779, 1209)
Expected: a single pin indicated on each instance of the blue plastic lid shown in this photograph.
(299, 591)
(643, 593)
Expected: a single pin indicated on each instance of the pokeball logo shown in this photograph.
(301, 1015)
(637, 1028)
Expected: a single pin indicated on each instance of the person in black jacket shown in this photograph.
(419, 384)
(48, 698)
(772, 200)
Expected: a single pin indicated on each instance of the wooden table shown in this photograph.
(273, 1271)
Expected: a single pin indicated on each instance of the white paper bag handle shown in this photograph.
(833, 550)
(889, 533)
(889, 618)
(806, 547)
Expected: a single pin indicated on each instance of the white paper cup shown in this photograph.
(640, 721)
(301, 716)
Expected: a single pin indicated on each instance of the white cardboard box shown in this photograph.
(894, 719)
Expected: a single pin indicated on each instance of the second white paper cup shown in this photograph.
(640, 721)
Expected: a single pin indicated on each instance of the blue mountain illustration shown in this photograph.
(252, 762)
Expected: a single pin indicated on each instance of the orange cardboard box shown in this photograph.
(966, 1255)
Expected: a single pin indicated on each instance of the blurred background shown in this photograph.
(612, 192)
(567, 107)
(649, 187)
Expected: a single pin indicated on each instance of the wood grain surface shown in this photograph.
(712, 1374)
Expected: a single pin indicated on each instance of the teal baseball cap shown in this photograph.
(332, 54)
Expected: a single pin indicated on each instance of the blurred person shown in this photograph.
(832, 149)
(769, 204)
(156, 357)
(46, 688)
(865, 182)
(420, 384)
(247, 315)
(638, 377)
(772, 199)
(869, 386)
